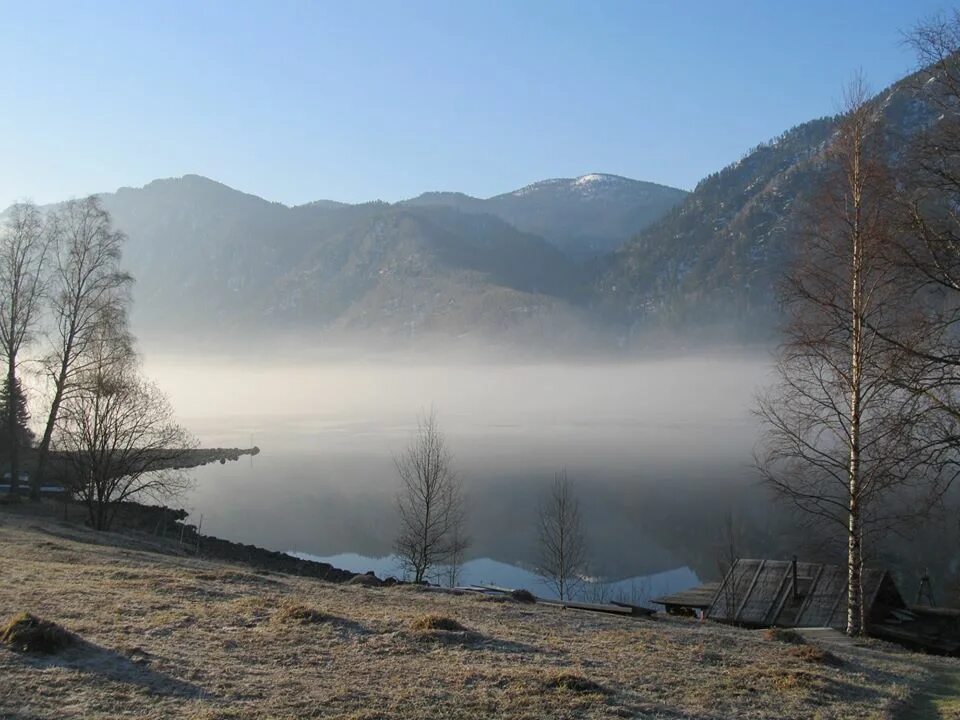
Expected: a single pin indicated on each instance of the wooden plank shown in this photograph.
(827, 636)
(833, 611)
(592, 607)
(746, 595)
(700, 597)
(723, 584)
(494, 588)
(638, 610)
(771, 617)
(810, 594)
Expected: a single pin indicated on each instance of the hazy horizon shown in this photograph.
(640, 438)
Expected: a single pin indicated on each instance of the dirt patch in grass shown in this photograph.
(784, 635)
(572, 682)
(815, 655)
(426, 623)
(27, 633)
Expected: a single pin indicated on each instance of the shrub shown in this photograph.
(27, 633)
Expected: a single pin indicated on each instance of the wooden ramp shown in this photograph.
(825, 636)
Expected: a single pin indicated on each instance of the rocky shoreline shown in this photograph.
(170, 524)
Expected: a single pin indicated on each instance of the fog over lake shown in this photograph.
(658, 449)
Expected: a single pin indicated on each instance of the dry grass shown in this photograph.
(814, 654)
(572, 682)
(166, 636)
(293, 612)
(433, 621)
(27, 633)
(784, 635)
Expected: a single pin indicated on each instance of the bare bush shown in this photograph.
(118, 435)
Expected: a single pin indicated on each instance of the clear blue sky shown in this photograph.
(296, 101)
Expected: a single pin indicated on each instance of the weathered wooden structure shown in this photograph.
(787, 593)
(689, 602)
(784, 593)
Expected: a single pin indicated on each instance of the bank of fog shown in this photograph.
(660, 451)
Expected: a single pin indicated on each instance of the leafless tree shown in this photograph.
(430, 502)
(928, 246)
(843, 440)
(87, 298)
(562, 549)
(118, 434)
(23, 250)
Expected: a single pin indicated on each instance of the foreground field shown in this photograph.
(162, 636)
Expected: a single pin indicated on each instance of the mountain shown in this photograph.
(715, 259)
(211, 260)
(585, 217)
(518, 267)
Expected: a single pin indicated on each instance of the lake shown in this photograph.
(658, 450)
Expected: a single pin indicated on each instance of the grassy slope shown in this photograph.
(167, 636)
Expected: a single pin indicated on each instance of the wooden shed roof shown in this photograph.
(761, 593)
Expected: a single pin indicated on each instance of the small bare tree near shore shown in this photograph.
(562, 551)
(429, 504)
(118, 435)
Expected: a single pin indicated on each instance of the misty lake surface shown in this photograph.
(658, 449)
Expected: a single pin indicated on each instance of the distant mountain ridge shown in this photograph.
(212, 260)
(598, 260)
(715, 259)
(585, 217)
(443, 264)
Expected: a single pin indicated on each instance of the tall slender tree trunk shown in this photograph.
(854, 524)
(36, 480)
(854, 573)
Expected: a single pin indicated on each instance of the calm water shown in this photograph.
(657, 450)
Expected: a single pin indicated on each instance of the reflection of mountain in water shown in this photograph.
(484, 571)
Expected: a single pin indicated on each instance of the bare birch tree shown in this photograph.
(23, 250)
(87, 298)
(429, 504)
(118, 435)
(842, 437)
(562, 550)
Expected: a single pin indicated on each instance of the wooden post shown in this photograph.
(796, 592)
